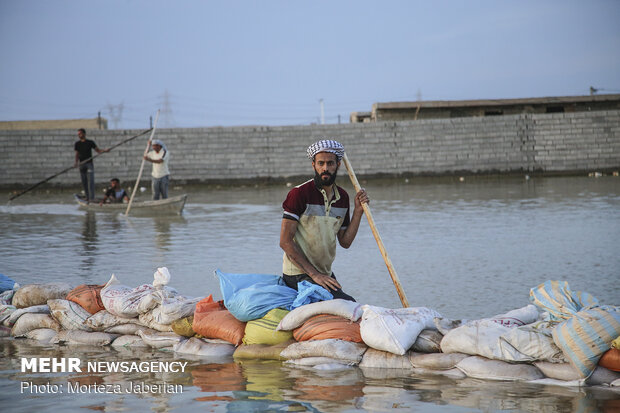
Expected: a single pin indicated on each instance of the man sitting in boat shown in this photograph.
(115, 194)
(316, 214)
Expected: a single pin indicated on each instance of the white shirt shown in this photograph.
(160, 169)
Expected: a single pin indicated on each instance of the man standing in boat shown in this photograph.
(316, 215)
(83, 154)
(159, 157)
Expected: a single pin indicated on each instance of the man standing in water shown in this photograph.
(316, 215)
(161, 175)
(83, 152)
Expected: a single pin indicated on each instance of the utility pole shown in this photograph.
(116, 113)
(166, 110)
(322, 112)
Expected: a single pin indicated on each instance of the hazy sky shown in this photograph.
(221, 63)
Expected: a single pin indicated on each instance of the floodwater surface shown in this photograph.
(468, 249)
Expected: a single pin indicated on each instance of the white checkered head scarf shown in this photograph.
(160, 143)
(326, 145)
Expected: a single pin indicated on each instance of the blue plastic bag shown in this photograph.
(251, 296)
(6, 283)
(310, 293)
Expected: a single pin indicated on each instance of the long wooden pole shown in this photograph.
(72, 167)
(373, 227)
(146, 150)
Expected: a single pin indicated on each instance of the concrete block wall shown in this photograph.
(547, 143)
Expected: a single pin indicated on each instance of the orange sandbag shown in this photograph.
(213, 320)
(324, 326)
(610, 359)
(88, 296)
(207, 304)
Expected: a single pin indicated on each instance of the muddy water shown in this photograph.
(467, 249)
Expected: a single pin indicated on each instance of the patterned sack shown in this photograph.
(587, 335)
(557, 298)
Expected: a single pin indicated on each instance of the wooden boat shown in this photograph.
(173, 204)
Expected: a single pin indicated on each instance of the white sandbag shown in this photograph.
(428, 341)
(382, 359)
(315, 361)
(122, 300)
(518, 317)
(483, 368)
(148, 319)
(338, 349)
(443, 325)
(394, 330)
(39, 294)
(484, 338)
(129, 328)
(602, 376)
(172, 309)
(199, 347)
(615, 383)
(69, 314)
(513, 318)
(479, 337)
(533, 341)
(161, 291)
(155, 298)
(103, 320)
(567, 372)
(559, 371)
(89, 338)
(36, 309)
(128, 340)
(42, 335)
(436, 361)
(343, 308)
(29, 322)
(160, 340)
(5, 313)
(161, 277)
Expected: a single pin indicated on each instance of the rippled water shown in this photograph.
(468, 249)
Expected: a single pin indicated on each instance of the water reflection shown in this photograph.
(163, 233)
(265, 385)
(89, 241)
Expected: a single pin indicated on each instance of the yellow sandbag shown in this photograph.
(261, 351)
(183, 326)
(616, 343)
(263, 330)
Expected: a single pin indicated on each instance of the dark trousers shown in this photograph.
(87, 174)
(292, 280)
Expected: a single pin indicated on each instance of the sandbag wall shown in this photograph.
(527, 344)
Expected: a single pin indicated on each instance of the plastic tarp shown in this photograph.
(308, 293)
(6, 283)
(251, 296)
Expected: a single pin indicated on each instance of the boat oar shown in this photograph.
(148, 144)
(373, 227)
(72, 167)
